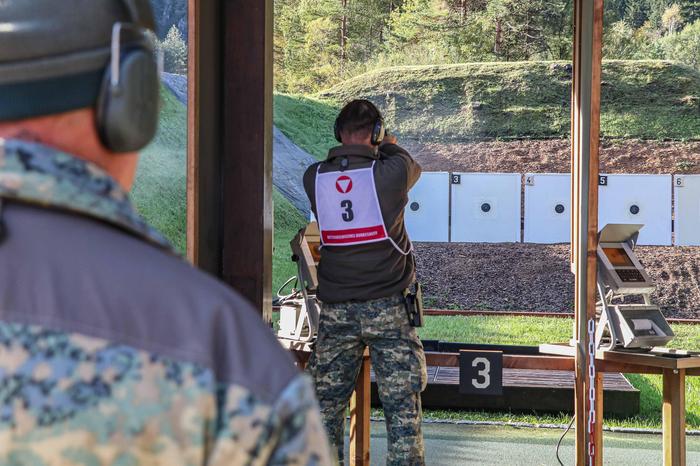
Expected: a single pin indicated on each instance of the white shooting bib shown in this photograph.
(348, 209)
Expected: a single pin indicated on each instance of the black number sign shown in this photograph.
(456, 179)
(602, 180)
(348, 215)
(480, 372)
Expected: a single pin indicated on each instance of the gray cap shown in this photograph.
(48, 38)
(53, 53)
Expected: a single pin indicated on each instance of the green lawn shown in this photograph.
(536, 330)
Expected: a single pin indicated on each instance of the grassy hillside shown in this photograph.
(160, 190)
(640, 99)
(307, 121)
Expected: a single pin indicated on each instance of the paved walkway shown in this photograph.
(485, 445)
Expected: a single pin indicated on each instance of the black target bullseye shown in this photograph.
(634, 210)
(559, 208)
(415, 206)
(486, 207)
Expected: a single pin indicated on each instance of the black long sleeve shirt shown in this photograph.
(375, 270)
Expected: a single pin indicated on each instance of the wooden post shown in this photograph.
(359, 416)
(585, 131)
(674, 417)
(203, 135)
(229, 190)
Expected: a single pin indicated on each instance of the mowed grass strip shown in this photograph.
(288, 222)
(509, 330)
(160, 188)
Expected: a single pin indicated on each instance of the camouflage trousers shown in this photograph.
(345, 329)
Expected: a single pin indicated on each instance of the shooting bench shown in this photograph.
(674, 365)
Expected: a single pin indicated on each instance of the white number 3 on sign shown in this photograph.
(484, 372)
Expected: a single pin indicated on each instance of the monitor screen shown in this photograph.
(618, 257)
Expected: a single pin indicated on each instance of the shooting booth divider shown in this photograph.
(427, 214)
(547, 216)
(686, 189)
(486, 207)
(638, 199)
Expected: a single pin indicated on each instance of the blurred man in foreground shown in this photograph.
(113, 350)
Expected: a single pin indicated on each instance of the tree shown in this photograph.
(174, 52)
(620, 42)
(684, 46)
(671, 19)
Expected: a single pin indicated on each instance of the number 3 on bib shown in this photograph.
(348, 215)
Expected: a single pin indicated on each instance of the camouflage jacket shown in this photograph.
(114, 351)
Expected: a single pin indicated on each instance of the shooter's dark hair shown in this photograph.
(358, 115)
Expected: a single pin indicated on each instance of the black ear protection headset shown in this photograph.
(127, 108)
(114, 71)
(378, 129)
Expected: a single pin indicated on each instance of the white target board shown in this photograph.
(644, 199)
(486, 207)
(687, 202)
(427, 213)
(547, 208)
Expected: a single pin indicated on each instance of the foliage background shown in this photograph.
(319, 43)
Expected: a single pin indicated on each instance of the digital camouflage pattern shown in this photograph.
(68, 398)
(43, 176)
(398, 362)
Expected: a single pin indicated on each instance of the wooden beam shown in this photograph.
(360, 405)
(247, 143)
(585, 130)
(674, 417)
(510, 361)
(204, 136)
(229, 218)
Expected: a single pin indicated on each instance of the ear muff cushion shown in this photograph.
(378, 132)
(127, 115)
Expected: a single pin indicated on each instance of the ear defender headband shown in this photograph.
(84, 64)
(378, 129)
(128, 102)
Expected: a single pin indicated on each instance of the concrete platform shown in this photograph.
(496, 446)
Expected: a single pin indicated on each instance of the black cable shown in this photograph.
(562, 438)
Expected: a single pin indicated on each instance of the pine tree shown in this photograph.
(174, 52)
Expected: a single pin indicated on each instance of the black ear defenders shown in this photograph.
(128, 103)
(378, 132)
